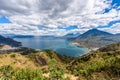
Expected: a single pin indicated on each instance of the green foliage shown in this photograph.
(13, 55)
(103, 64)
(56, 70)
(106, 60)
(51, 54)
(8, 73)
(52, 62)
(26, 51)
(56, 73)
(28, 74)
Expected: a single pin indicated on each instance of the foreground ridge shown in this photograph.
(103, 63)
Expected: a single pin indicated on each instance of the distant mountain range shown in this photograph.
(72, 35)
(9, 41)
(67, 36)
(22, 36)
(95, 38)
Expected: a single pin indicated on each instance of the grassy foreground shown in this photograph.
(103, 64)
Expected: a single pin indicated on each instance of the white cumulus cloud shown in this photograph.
(27, 16)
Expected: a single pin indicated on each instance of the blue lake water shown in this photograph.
(61, 46)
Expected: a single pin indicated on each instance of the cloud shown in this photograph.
(27, 16)
(114, 29)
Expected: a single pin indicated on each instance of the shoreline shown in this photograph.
(78, 45)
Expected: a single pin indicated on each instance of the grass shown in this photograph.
(16, 66)
(103, 64)
(17, 61)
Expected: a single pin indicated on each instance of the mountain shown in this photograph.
(72, 35)
(95, 38)
(47, 37)
(8, 35)
(95, 33)
(22, 36)
(9, 41)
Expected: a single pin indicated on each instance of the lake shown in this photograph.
(61, 46)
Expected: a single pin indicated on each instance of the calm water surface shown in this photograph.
(61, 46)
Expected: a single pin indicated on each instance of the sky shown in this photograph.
(58, 17)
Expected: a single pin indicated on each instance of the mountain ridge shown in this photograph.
(9, 41)
(95, 32)
(95, 38)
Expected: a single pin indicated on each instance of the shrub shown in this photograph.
(28, 74)
(6, 72)
(12, 55)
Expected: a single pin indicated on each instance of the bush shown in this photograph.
(8, 73)
(28, 74)
(12, 55)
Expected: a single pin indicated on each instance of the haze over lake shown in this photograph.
(61, 46)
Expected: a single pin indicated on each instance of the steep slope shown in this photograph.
(42, 65)
(23, 59)
(94, 33)
(9, 41)
(103, 64)
(95, 38)
(16, 60)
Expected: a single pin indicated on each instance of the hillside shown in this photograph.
(94, 33)
(9, 41)
(95, 38)
(39, 65)
(103, 64)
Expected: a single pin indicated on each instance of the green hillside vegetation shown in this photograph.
(43, 65)
(103, 64)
